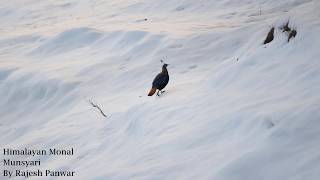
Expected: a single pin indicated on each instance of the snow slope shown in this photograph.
(234, 109)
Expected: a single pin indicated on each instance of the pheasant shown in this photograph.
(160, 81)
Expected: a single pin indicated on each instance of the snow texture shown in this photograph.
(234, 109)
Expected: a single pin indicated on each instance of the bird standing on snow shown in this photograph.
(160, 81)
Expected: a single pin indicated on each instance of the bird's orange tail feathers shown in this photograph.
(152, 91)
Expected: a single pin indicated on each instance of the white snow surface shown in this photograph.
(234, 109)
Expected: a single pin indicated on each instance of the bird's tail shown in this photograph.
(152, 91)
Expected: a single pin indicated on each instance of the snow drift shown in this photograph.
(233, 108)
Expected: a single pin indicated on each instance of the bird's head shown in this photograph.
(165, 65)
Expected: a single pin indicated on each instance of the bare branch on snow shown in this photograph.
(98, 107)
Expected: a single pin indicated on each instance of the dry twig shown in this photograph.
(96, 106)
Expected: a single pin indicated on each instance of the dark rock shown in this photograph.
(286, 27)
(292, 34)
(270, 36)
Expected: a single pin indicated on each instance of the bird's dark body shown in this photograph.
(160, 81)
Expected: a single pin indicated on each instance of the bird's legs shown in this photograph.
(159, 91)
